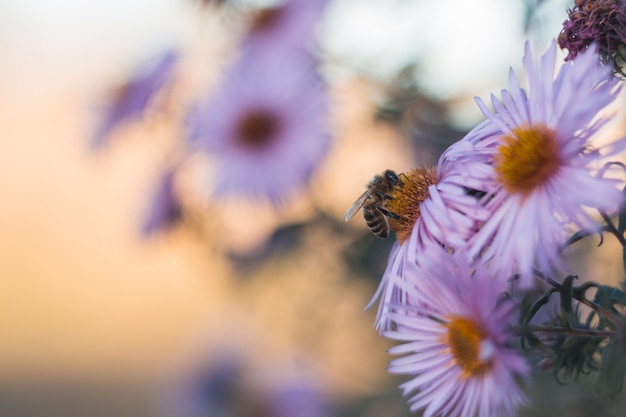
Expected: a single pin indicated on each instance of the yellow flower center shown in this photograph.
(407, 199)
(471, 350)
(527, 158)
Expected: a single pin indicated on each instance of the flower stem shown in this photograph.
(610, 227)
(575, 332)
(580, 296)
(581, 235)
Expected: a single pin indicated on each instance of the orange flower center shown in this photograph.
(527, 158)
(470, 348)
(407, 199)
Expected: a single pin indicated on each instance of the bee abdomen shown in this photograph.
(380, 230)
(370, 216)
(376, 222)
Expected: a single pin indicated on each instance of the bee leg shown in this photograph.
(400, 182)
(383, 196)
(389, 214)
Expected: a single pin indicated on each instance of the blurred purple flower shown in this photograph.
(540, 165)
(165, 209)
(212, 390)
(297, 399)
(132, 98)
(458, 340)
(266, 125)
(288, 24)
(228, 387)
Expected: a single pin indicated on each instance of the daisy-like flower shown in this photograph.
(435, 208)
(133, 97)
(602, 22)
(540, 166)
(458, 340)
(266, 125)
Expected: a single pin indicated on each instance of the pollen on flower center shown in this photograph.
(407, 198)
(467, 342)
(257, 128)
(527, 158)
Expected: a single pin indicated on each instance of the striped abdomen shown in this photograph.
(375, 220)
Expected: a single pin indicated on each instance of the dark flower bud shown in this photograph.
(596, 21)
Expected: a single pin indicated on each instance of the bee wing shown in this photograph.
(356, 206)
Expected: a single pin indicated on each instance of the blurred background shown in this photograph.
(123, 294)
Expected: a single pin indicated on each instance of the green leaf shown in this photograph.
(607, 297)
(536, 306)
(581, 234)
(568, 315)
(529, 312)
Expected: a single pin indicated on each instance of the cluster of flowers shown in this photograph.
(488, 226)
(473, 234)
(265, 125)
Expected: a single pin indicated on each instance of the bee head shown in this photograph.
(391, 177)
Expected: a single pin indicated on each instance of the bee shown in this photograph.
(374, 201)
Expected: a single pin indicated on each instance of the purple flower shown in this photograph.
(457, 340)
(133, 97)
(437, 209)
(602, 22)
(211, 389)
(266, 125)
(289, 24)
(165, 209)
(539, 162)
